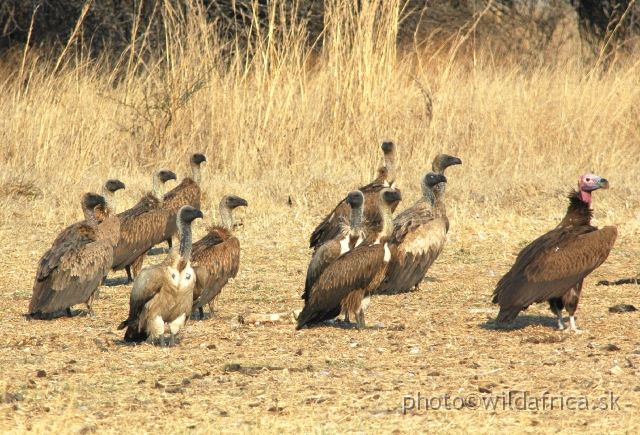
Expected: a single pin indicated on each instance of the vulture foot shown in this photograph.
(360, 320)
(201, 313)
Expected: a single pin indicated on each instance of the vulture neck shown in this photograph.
(387, 222)
(195, 171)
(110, 201)
(427, 193)
(158, 189)
(390, 164)
(355, 223)
(226, 217)
(90, 217)
(440, 210)
(578, 212)
(439, 169)
(184, 229)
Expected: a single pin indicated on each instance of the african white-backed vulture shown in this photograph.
(553, 267)
(144, 225)
(346, 285)
(101, 211)
(164, 293)
(418, 237)
(350, 237)
(331, 225)
(216, 257)
(188, 191)
(71, 272)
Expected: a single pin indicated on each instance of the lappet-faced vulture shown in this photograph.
(164, 293)
(418, 237)
(216, 257)
(346, 285)
(553, 267)
(331, 225)
(71, 272)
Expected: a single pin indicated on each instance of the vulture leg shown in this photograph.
(129, 277)
(360, 319)
(561, 326)
(346, 318)
(169, 242)
(570, 300)
(557, 305)
(201, 311)
(172, 340)
(210, 309)
(162, 343)
(68, 311)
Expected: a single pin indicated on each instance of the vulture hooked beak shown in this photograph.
(604, 183)
(454, 161)
(120, 185)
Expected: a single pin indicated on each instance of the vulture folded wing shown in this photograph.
(352, 271)
(551, 268)
(185, 193)
(140, 234)
(222, 262)
(326, 254)
(78, 273)
(147, 284)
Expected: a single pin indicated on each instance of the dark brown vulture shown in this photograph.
(144, 225)
(71, 272)
(331, 225)
(188, 191)
(101, 211)
(552, 267)
(349, 238)
(440, 163)
(418, 237)
(346, 285)
(164, 293)
(216, 257)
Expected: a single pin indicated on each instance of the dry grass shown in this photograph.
(285, 123)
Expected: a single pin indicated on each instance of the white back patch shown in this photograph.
(387, 253)
(344, 245)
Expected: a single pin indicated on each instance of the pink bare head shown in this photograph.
(588, 183)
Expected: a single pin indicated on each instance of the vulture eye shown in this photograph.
(588, 179)
(173, 276)
(188, 276)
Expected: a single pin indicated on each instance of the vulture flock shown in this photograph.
(360, 250)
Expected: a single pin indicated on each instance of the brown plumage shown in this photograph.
(347, 284)
(144, 225)
(164, 293)
(70, 273)
(216, 257)
(349, 238)
(552, 268)
(188, 191)
(418, 238)
(101, 211)
(331, 225)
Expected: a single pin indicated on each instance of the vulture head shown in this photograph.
(92, 200)
(432, 178)
(188, 214)
(232, 201)
(443, 161)
(355, 199)
(387, 146)
(114, 185)
(165, 175)
(198, 158)
(390, 195)
(590, 182)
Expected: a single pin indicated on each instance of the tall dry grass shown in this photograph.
(281, 119)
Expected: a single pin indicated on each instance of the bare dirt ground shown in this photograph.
(76, 375)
